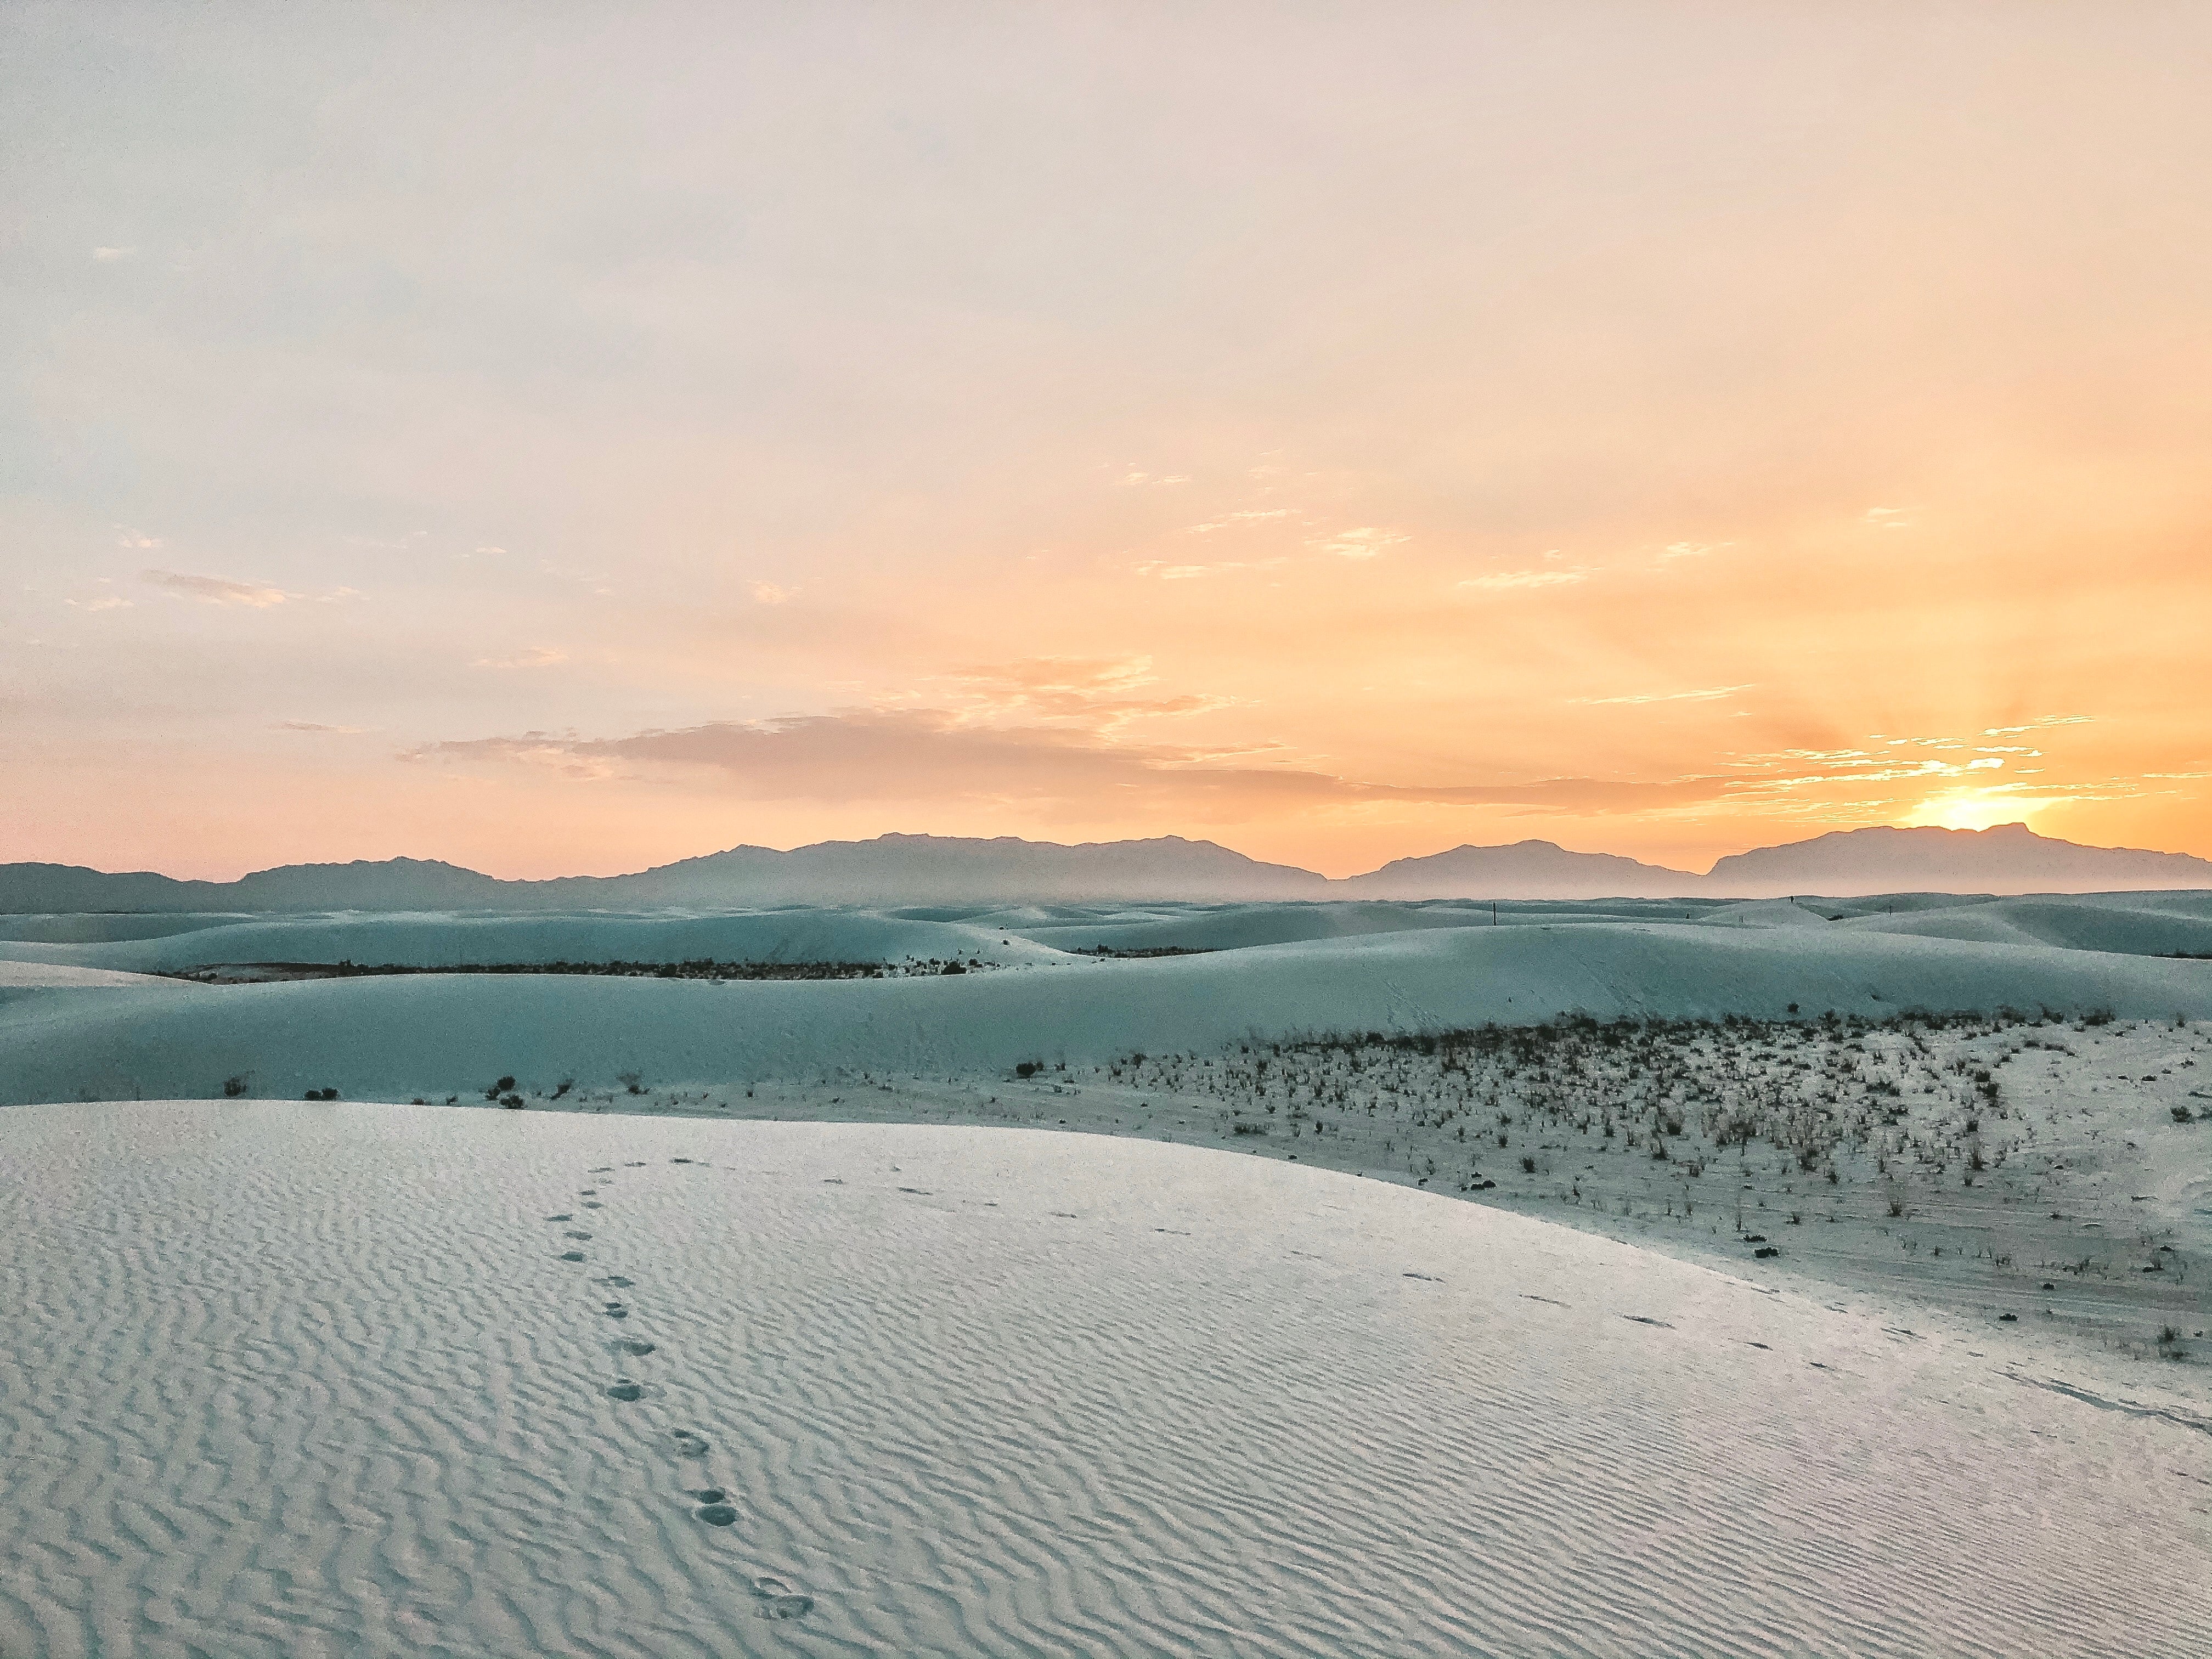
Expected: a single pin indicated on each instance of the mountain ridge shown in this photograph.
(921, 869)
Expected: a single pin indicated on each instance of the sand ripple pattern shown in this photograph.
(292, 1380)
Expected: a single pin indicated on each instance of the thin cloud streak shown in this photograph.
(932, 754)
(217, 590)
(1710, 693)
(1505, 582)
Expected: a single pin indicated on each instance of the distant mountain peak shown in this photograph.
(911, 869)
(1521, 869)
(2006, 858)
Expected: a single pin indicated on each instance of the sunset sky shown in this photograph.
(568, 438)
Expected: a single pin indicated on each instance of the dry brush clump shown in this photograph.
(1904, 1100)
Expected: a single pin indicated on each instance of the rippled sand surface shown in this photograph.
(306, 1380)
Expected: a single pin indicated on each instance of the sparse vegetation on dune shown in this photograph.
(702, 967)
(1993, 1163)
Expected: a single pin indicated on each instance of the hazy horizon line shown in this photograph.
(1195, 841)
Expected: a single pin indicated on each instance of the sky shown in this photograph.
(566, 438)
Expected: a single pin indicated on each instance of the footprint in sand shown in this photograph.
(570, 1255)
(576, 1234)
(600, 1169)
(779, 1601)
(593, 1204)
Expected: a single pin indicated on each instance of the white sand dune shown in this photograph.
(2124, 923)
(441, 939)
(2135, 924)
(1240, 926)
(282, 1380)
(102, 926)
(23, 981)
(433, 1034)
(2146, 924)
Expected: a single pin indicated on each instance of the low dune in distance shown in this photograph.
(433, 1034)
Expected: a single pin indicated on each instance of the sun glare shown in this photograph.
(1976, 809)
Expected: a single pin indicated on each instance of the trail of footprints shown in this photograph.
(711, 1505)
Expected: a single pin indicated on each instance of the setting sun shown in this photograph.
(1978, 809)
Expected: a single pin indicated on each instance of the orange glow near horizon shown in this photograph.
(1659, 434)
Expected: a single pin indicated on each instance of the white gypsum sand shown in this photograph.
(2090, 1214)
(2053, 1176)
(290, 1379)
(430, 1034)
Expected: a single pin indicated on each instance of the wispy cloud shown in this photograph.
(769, 593)
(1103, 693)
(537, 656)
(1163, 571)
(137, 540)
(1506, 581)
(1707, 693)
(109, 255)
(1889, 518)
(914, 755)
(1233, 520)
(317, 726)
(217, 590)
(1365, 542)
